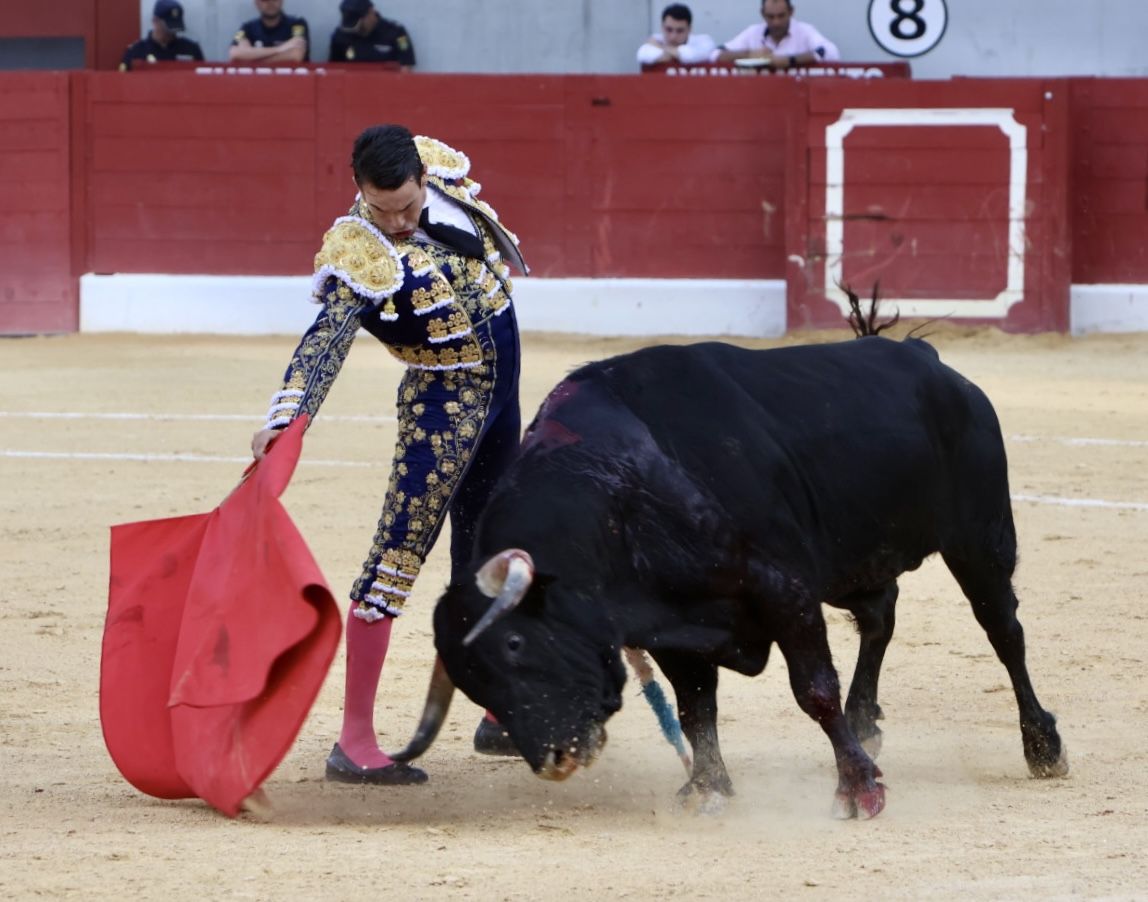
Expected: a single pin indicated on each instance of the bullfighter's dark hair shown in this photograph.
(385, 156)
(866, 325)
(678, 11)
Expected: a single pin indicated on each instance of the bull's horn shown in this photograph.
(439, 694)
(505, 577)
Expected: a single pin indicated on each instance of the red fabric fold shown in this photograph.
(220, 631)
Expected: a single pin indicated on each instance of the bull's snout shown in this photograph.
(560, 763)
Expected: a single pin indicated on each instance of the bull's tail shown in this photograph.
(866, 325)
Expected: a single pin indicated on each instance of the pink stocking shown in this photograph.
(367, 645)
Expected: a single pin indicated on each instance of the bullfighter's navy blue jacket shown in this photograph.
(448, 317)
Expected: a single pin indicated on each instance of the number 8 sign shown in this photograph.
(908, 27)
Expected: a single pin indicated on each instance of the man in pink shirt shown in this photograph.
(783, 40)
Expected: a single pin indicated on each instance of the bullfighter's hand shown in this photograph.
(261, 442)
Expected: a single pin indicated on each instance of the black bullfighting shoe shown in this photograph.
(491, 739)
(341, 769)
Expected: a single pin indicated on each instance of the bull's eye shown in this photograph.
(514, 645)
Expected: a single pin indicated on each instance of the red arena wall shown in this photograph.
(956, 190)
(38, 287)
(1109, 207)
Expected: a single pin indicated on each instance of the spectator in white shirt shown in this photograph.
(783, 40)
(676, 43)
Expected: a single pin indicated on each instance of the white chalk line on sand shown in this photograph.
(351, 418)
(171, 417)
(171, 458)
(211, 459)
(206, 458)
(1082, 502)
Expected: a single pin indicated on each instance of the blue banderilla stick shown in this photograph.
(652, 690)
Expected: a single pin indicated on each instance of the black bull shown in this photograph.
(702, 502)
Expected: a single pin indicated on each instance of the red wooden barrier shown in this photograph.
(601, 176)
(939, 191)
(189, 174)
(1110, 180)
(38, 290)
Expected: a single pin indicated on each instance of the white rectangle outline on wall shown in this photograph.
(1005, 120)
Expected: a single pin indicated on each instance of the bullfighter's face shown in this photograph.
(395, 211)
(550, 678)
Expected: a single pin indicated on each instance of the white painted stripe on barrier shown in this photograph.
(174, 417)
(1003, 118)
(170, 458)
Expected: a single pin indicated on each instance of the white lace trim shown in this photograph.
(375, 613)
(282, 411)
(386, 589)
(391, 571)
(437, 305)
(441, 367)
(451, 337)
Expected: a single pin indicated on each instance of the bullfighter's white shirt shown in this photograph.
(439, 209)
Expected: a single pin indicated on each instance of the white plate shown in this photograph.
(752, 62)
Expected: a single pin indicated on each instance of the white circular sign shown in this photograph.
(908, 27)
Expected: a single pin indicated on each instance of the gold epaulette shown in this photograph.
(441, 160)
(359, 254)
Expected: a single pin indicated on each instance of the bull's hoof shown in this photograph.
(1046, 769)
(862, 805)
(705, 796)
(709, 802)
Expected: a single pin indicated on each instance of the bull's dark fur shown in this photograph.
(702, 502)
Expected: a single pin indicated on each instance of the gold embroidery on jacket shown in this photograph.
(353, 251)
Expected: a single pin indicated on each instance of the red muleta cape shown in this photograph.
(220, 631)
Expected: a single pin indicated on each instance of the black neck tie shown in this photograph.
(459, 240)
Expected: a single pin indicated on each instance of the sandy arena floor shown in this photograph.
(964, 820)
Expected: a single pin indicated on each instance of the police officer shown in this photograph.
(366, 37)
(163, 41)
(274, 37)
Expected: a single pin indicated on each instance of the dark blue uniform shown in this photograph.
(259, 35)
(148, 50)
(388, 42)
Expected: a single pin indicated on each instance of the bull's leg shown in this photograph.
(987, 584)
(695, 686)
(815, 686)
(875, 613)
